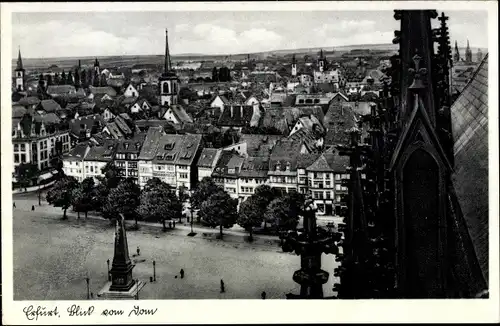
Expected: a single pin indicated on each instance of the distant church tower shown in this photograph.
(294, 66)
(479, 55)
(456, 55)
(468, 53)
(169, 82)
(321, 62)
(20, 73)
(97, 68)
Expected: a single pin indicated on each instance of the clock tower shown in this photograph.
(168, 81)
(20, 73)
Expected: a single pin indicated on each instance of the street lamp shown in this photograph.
(88, 286)
(39, 192)
(109, 275)
(154, 271)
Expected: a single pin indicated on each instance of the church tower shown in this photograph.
(97, 68)
(169, 82)
(468, 53)
(456, 55)
(294, 66)
(321, 62)
(20, 73)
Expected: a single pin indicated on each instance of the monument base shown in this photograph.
(107, 294)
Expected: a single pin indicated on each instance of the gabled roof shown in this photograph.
(77, 153)
(177, 149)
(232, 116)
(181, 114)
(103, 153)
(114, 130)
(132, 145)
(207, 157)
(228, 160)
(254, 167)
(18, 111)
(151, 143)
(259, 145)
(49, 106)
(30, 100)
(88, 121)
(103, 90)
(61, 89)
(329, 162)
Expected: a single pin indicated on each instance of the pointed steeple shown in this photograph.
(96, 63)
(168, 64)
(19, 61)
(468, 53)
(456, 55)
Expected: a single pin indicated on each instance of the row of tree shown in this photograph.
(159, 203)
(83, 79)
(221, 75)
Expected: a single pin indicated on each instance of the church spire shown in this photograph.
(168, 64)
(19, 61)
(468, 53)
(456, 55)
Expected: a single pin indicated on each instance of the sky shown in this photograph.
(63, 34)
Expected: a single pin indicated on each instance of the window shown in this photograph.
(337, 177)
(338, 198)
(327, 195)
(165, 87)
(327, 183)
(92, 169)
(23, 158)
(183, 175)
(337, 187)
(16, 147)
(316, 195)
(16, 158)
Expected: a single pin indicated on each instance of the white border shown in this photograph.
(258, 311)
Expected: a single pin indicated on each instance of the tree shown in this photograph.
(158, 202)
(49, 80)
(103, 81)
(83, 79)
(205, 188)
(77, 79)
(25, 173)
(263, 195)
(112, 175)
(219, 210)
(282, 214)
(69, 79)
(183, 197)
(83, 197)
(123, 199)
(250, 215)
(57, 80)
(60, 195)
(215, 74)
(63, 80)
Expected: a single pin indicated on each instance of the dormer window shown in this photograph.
(126, 145)
(288, 166)
(278, 167)
(169, 146)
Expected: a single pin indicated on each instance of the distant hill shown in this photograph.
(129, 60)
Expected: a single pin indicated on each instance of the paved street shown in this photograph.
(52, 258)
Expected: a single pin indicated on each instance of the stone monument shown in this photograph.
(122, 285)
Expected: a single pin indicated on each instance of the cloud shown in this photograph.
(344, 28)
(181, 28)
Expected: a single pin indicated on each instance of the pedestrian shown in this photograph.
(174, 224)
(263, 295)
(32, 207)
(138, 251)
(222, 289)
(14, 204)
(182, 273)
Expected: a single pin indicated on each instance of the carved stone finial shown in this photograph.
(417, 72)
